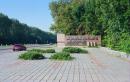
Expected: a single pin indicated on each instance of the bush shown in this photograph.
(74, 50)
(43, 51)
(61, 56)
(31, 55)
(37, 50)
(49, 51)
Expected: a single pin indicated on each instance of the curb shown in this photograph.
(116, 53)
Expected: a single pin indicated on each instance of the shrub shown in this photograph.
(43, 51)
(31, 55)
(61, 56)
(37, 50)
(49, 51)
(74, 50)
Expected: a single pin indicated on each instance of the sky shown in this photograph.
(31, 12)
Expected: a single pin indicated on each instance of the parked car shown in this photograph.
(19, 47)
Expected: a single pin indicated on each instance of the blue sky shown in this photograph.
(32, 12)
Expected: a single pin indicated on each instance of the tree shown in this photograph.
(12, 32)
(108, 18)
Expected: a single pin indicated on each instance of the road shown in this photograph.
(28, 46)
(96, 66)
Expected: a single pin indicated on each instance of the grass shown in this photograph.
(61, 56)
(31, 55)
(74, 50)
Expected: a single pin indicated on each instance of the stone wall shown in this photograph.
(60, 40)
(78, 40)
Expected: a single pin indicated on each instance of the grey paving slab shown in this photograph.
(96, 66)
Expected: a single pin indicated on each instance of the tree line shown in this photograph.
(14, 32)
(108, 18)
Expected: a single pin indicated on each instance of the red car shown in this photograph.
(19, 47)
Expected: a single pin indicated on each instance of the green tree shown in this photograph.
(108, 18)
(12, 32)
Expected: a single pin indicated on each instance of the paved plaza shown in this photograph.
(96, 66)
